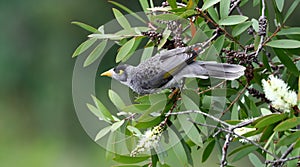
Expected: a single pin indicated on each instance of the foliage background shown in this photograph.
(38, 124)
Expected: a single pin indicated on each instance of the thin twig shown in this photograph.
(284, 155)
(204, 15)
(236, 99)
(230, 130)
(235, 4)
(282, 160)
(200, 112)
(228, 139)
(212, 88)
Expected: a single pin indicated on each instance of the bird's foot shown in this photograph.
(174, 92)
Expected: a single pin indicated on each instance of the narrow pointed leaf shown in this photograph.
(291, 10)
(117, 125)
(208, 150)
(287, 140)
(288, 124)
(95, 54)
(102, 133)
(102, 108)
(279, 4)
(116, 99)
(85, 26)
(287, 61)
(209, 3)
(284, 43)
(240, 28)
(121, 19)
(96, 112)
(130, 160)
(124, 50)
(270, 120)
(84, 46)
(233, 20)
(172, 3)
(289, 31)
(224, 8)
(127, 10)
(144, 4)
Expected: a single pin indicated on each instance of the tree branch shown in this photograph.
(262, 28)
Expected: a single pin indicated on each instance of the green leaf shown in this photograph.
(213, 13)
(85, 26)
(121, 19)
(148, 123)
(240, 28)
(270, 120)
(224, 8)
(107, 36)
(190, 130)
(110, 148)
(209, 3)
(289, 31)
(116, 99)
(102, 108)
(144, 4)
(297, 144)
(208, 150)
(255, 25)
(116, 125)
(128, 10)
(287, 140)
(266, 132)
(136, 108)
(279, 4)
(287, 61)
(157, 107)
(96, 111)
(166, 35)
(288, 124)
(134, 130)
(125, 50)
(147, 53)
(266, 62)
(133, 49)
(219, 42)
(172, 3)
(284, 43)
(291, 10)
(255, 160)
(84, 46)
(154, 158)
(244, 152)
(102, 133)
(95, 54)
(233, 20)
(255, 2)
(179, 153)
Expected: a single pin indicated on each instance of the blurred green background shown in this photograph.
(38, 124)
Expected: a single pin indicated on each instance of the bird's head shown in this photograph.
(119, 73)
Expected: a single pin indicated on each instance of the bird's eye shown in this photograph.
(120, 72)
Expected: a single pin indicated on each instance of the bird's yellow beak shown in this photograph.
(107, 73)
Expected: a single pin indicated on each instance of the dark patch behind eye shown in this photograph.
(120, 67)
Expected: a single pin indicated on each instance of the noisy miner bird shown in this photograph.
(167, 70)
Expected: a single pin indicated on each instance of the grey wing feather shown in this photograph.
(205, 69)
(170, 63)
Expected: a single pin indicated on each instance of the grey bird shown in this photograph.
(167, 70)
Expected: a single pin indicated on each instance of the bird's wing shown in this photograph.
(170, 63)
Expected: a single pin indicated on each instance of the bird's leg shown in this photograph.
(174, 92)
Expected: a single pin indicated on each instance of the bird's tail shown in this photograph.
(222, 70)
(205, 69)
